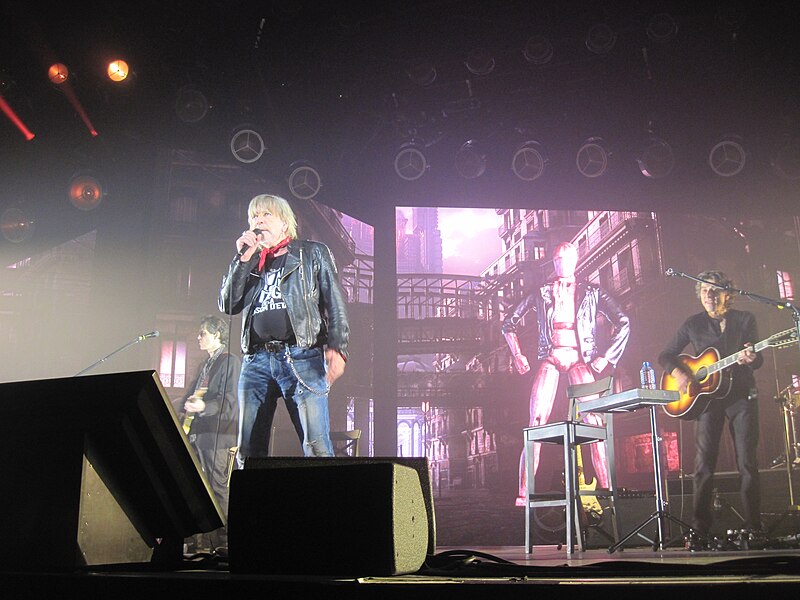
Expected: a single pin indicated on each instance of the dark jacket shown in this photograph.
(310, 286)
(702, 333)
(221, 399)
(590, 300)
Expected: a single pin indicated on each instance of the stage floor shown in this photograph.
(673, 570)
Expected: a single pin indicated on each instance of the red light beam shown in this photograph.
(12, 116)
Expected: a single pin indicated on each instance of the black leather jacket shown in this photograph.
(590, 300)
(310, 286)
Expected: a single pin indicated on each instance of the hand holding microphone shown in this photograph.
(247, 244)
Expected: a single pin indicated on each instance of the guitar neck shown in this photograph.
(730, 360)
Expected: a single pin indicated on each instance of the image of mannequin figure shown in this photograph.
(567, 320)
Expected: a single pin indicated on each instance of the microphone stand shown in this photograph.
(118, 350)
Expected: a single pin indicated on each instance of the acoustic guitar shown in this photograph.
(710, 380)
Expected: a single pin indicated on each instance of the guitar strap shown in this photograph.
(202, 379)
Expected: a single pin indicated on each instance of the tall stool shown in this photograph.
(570, 434)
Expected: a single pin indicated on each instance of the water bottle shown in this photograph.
(647, 376)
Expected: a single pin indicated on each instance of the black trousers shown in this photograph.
(214, 463)
(741, 412)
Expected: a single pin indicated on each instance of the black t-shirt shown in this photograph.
(270, 317)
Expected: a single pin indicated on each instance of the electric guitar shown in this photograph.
(189, 417)
(710, 384)
(590, 504)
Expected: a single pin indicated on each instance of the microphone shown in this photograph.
(257, 231)
(670, 272)
(145, 336)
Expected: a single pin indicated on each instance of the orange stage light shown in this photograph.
(58, 73)
(118, 70)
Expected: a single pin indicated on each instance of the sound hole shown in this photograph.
(702, 374)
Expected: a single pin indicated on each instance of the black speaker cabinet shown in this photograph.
(99, 472)
(418, 463)
(327, 517)
(777, 513)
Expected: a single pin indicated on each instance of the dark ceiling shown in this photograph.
(329, 82)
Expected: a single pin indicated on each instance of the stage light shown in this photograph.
(600, 39)
(85, 191)
(118, 70)
(422, 73)
(538, 50)
(16, 226)
(247, 144)
(304, 180)
(191, 105)
(662, 28)
(727, 157)
(656, 158)
(480, 61)
(470, 160)
(60, 76)
(58, 73)
(410, 162)
(592, 158)
(529, 160)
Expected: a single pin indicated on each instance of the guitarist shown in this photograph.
(214, 418)
(729, 331)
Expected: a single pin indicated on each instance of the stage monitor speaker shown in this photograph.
(97, 461)
(340, 519)
(418, 463)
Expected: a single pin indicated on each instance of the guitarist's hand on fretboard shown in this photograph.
(747, 355)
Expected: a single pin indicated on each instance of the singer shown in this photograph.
(294, 330)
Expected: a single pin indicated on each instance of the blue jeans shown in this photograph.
(297, 375)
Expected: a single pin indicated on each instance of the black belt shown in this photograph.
(271, 346)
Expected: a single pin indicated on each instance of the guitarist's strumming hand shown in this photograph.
(194, 404)
(684, 380)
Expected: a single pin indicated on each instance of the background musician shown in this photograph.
(211, 404)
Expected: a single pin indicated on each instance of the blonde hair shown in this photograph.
(277, 206)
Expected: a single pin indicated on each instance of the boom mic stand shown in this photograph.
(141, 338)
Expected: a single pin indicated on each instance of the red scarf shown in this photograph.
(270, 252)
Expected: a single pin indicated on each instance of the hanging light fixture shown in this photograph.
(85, 192)
(470, 159)
(409, 161)
(304, 180)
(529, 160)
(16, 226)
(592, 158)
(656, 159)
(118, 70)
